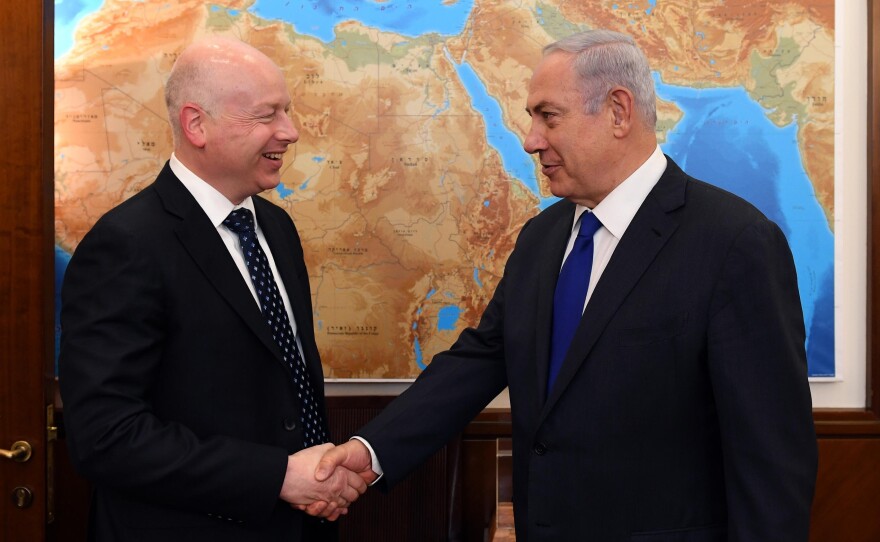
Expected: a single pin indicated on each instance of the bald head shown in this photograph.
(209, 72)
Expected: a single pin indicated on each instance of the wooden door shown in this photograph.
(26, 267)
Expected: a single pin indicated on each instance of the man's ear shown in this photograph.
(622, 110)
(192, 124)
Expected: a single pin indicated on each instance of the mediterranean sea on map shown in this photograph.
(718, 133)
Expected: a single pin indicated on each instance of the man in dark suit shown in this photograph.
(189, 417)
(680, 409)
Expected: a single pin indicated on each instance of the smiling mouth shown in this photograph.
(273, 155)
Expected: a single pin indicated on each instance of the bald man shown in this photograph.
(192, 415)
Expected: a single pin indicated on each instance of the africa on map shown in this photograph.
(409, 184)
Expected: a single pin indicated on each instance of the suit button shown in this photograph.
(540, 448)
(289, 424)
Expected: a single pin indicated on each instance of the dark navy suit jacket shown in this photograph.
(177, 404)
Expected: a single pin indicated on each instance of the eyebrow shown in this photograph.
(543, 104)
(265, 108)
(538, 106)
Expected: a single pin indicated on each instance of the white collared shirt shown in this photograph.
(217, 207)
(615, 212)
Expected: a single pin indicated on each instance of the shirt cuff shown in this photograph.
(374, 465)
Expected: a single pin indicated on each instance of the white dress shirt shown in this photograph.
(217, 207)
(615, 212)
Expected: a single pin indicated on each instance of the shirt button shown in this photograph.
(289, 424)
(540, 448)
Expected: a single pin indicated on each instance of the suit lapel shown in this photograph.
(650, 229)
(554, 250)
(201, 241)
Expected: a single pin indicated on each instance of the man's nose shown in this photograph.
(287, 131)
(534, 141)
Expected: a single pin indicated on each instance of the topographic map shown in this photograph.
(409, 183)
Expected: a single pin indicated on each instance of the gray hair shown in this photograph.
(605, 59)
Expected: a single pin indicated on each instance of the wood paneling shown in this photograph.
(424, 507)
(847, 490)
(480, 477)
(453, 496)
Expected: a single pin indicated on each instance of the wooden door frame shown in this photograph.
(869, 418)
(27, 264)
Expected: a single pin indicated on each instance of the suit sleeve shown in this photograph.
(454, 388)
(758, 369)
(111, 355)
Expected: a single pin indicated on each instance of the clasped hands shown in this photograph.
(324, 480)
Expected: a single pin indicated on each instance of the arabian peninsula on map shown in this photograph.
(409, 183)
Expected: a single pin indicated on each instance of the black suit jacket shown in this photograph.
(177, 404)
(682, 411)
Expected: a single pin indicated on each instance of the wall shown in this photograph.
(849, 438)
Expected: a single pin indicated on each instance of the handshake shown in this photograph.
(324, 480)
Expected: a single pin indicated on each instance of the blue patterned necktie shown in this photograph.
(571, 291)
(241, 222)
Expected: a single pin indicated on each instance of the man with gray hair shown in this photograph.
(648, 327)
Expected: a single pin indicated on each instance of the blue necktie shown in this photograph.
(571, 291)
(241, 222)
